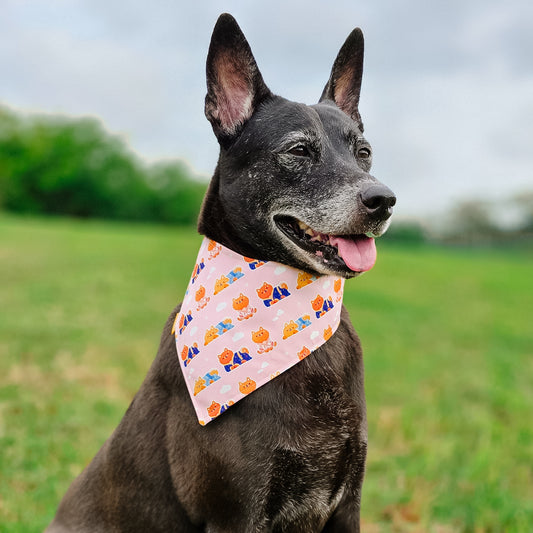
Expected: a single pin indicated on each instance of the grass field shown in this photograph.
(448, 341)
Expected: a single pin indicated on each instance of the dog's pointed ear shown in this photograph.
(344, 84)
(235, 86)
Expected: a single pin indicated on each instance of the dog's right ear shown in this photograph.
(235, 86)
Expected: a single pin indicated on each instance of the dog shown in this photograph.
(292, 185)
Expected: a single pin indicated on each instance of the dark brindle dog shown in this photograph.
(291, 456)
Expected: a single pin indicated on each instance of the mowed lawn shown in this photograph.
(448, 342)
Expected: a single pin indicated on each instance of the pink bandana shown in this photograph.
(243, 322)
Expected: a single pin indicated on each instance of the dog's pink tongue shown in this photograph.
(359, 253)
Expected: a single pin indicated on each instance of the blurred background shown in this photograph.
(447, 98)
(105, 155)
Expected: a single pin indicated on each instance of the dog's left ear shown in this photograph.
(235, 86)
(344, 84)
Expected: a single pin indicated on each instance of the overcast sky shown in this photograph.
(447, 97)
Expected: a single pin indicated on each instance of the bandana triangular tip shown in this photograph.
(244, 322)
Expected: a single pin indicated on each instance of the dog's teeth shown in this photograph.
(310, 234)
(323, 238)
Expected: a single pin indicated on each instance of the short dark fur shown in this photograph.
(291, 456)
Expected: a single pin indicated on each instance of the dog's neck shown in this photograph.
(213, 224)
(244, 321)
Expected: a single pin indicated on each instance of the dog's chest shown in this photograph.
(293, 450)
(314, 465)
(303, 485)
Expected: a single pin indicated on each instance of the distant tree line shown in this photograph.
(472, 222)
(501, 221)
(64, 166)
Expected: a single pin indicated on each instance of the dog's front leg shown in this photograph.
(345, 519)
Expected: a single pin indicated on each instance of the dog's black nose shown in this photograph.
(378, 200)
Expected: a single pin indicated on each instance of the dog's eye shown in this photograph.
(364, 153)
(300, 151)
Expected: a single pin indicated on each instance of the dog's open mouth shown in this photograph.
(356, 253)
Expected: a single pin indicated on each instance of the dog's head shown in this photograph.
(292, 182)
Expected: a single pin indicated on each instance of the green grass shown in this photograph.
(448, 356)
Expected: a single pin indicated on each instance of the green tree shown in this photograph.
(56, 165)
